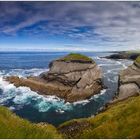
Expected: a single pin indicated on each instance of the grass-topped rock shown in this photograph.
(137, 61)
(73, 77)
(76, 57)
(132, 55)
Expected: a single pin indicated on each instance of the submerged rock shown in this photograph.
(73, 77)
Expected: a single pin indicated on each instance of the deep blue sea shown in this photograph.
(37, 108)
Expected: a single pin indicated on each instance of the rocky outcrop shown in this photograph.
(72, 80)
(124, 55)
(129, 82)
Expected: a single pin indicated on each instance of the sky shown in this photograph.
(69, 26)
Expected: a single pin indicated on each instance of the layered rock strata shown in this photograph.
(70, 79)
(129, 82)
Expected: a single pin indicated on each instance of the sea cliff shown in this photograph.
(129, 82)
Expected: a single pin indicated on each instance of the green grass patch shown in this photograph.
(121, 120)
(11, 126)
(132, 51)
(76, 57)
(138, 60)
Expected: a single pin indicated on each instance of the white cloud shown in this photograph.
(112, 23)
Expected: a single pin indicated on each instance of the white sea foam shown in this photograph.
(109, 71)
(24, 96)
(105, 64)
(118, 62)
(98, 95)
(97, 57)
(113, 81)
(24, 72)
(122, 63)
(125, 63)
(83, 102)
(60, 111)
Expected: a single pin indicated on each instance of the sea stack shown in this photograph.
(74, 77)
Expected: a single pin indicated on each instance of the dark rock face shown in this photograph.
(123, 55)
(71, 81)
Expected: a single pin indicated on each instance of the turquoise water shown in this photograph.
(37, 108)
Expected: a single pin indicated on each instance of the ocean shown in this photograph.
(37, 108)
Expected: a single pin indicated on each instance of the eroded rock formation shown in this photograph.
(70, 78)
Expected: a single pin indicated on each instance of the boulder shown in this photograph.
(74, 77)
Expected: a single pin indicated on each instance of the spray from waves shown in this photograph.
(83, 102)
(22, 96)
(23, 72)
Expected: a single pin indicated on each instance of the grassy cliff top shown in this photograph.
(121, 120)
(138, 59)
(11, 126)
(130, 52)
(76, 57)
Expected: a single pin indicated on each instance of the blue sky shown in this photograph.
(69, 26)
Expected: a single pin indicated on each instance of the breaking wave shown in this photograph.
(24, 96)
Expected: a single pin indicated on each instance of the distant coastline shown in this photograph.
(132, 55)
